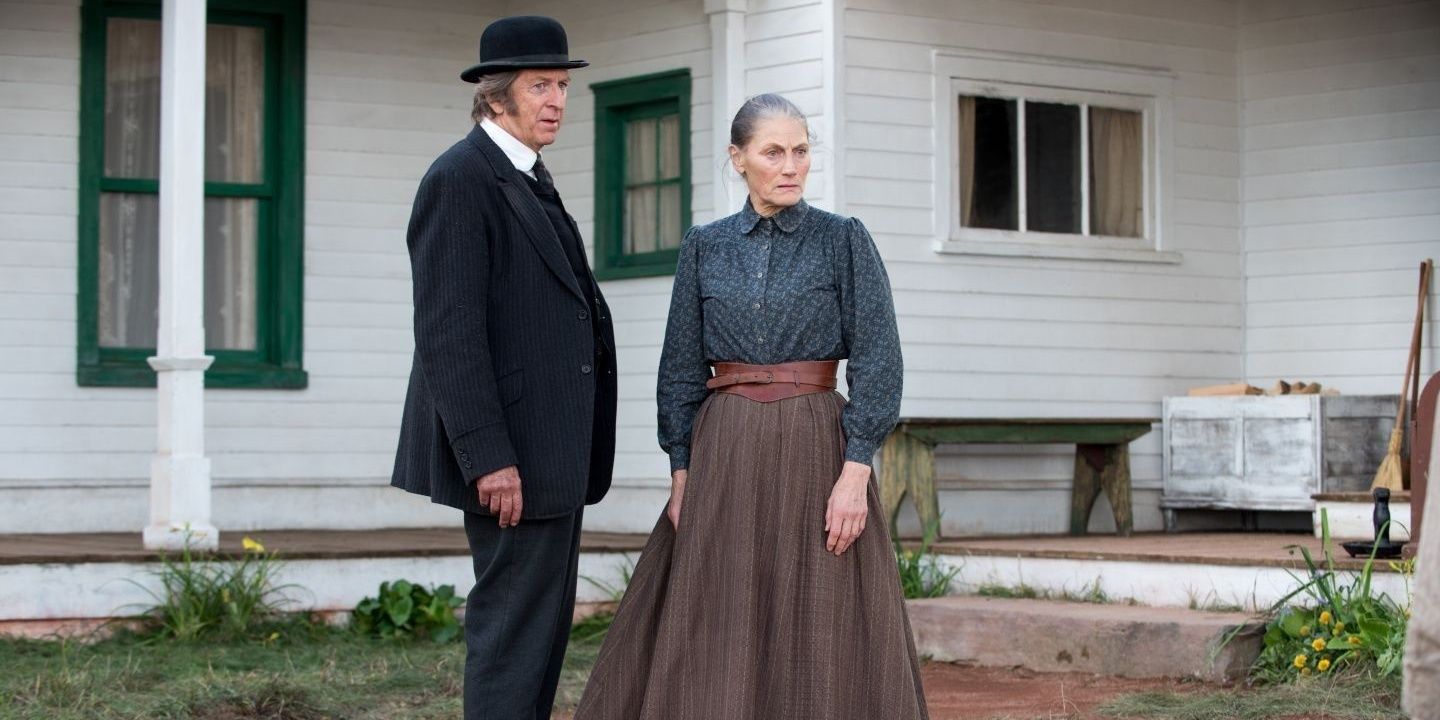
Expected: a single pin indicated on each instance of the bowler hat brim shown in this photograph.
(475, 71)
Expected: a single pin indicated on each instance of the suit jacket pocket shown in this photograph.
(511, 386)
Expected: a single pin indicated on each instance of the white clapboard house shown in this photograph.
(1085, 206)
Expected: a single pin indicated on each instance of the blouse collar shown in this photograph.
(787, 220)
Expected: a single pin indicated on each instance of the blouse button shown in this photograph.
(757, 306)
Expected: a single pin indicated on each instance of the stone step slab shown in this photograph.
(1105, 639)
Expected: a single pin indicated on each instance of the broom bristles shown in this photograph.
(1391, 474)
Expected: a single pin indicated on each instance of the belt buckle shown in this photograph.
(769, 378)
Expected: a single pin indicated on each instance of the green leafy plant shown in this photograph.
(212, 598)
(407, 610)
(920, 573)
(614, 592)
(1339, 625)
(594, 627)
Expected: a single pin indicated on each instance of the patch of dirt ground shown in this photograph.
(962, 692)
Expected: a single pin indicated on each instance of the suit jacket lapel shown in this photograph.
(527, 207)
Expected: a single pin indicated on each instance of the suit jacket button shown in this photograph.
(585, 369)
(583, 315)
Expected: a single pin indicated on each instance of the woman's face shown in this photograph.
(774, 163)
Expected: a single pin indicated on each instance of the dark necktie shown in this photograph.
(543, 177)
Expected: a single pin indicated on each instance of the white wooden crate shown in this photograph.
(1271, 453)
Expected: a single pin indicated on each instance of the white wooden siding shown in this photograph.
(383, 99)
(1341, 107)
(989, 336)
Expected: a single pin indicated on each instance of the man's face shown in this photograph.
(539, 97)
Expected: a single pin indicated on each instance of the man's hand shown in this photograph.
(500, 492)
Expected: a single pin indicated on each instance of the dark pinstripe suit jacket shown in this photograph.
(504, 370)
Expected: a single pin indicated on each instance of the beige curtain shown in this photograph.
(641, 203)
(967, 160)
(1422, 639)
(128, 289)
(669, 233)
(1116, 157)
(129, 245)
(231, 253)
(234, 136)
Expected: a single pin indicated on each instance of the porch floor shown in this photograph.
(19, 549)
(1240, 549)
(1243, 549)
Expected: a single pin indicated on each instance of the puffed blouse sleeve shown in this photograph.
(875, 370)
(683, 369)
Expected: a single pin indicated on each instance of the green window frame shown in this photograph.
(275, 361)
(617, 104)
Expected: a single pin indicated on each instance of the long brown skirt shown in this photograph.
(742, 614)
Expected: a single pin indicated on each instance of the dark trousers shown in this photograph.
(517, 618)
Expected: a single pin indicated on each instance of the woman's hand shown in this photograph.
(846, 512)
(677, 493)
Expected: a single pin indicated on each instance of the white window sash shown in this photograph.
(1030, 78)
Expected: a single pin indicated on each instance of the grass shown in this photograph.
(1091, 593)
(305, 673)
(1338, 697)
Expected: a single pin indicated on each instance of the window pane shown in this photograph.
(640, 216)
(1116, 171)
(129, 271)
(1052, 167)
(641, 145)
(987, 163)
(129, 267)
(234, 103)
(670, 147)
(231, 233)
(670, 228)
(132, 98)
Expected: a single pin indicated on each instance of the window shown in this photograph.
(642, 174)
(254, 100)
(1050, 167)
(1051, 158)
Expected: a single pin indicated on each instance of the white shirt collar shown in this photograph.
(522, 157)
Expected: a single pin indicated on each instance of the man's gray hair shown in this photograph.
(494, 87)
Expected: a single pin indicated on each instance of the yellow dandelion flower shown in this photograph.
(1304, 630)
(1325, 618)
(1318, 644)
(1354, 639)
(252, 545)
(1300, 660)
(1324, 665)
(1339, 628)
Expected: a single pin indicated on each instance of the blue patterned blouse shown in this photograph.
(803, 285)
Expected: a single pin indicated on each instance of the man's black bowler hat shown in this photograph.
(523, 41)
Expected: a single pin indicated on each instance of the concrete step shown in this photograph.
(1057, 636)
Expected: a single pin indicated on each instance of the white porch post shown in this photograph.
(180, 472)
(727, 69)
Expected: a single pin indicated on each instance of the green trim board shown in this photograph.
(276, 358)
(617, 103)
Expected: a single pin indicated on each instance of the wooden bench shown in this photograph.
(1102, 460)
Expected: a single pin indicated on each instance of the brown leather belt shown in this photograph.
(768, 383)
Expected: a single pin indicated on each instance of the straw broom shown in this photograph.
(1391, 474)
